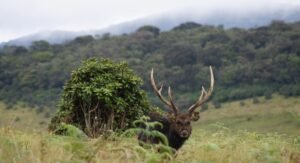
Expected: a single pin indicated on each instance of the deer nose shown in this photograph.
(184, 134)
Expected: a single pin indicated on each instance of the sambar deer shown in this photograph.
(177, 124)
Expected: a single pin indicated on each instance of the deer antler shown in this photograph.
(204, 94)
(170, 103)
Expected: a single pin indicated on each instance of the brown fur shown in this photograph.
(177, 129)
(176, 125)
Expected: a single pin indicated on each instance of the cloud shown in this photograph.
(27, 16)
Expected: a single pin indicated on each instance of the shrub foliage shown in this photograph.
(101, 95)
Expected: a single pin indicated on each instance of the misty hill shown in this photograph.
(50, 36)
(247, 62)
(167, 21)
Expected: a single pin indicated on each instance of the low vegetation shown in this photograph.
(24, 118)
(279, 114)
(219, 144)
(264, 132)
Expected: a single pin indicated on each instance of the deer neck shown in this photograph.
(175, 141)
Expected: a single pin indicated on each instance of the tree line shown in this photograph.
(247, 62)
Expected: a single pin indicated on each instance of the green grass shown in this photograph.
(263, 132)
(219, 144)
(280, 115)
(24, 118)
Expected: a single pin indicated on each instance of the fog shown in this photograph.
(23, 17)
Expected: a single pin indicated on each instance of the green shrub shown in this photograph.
(268, 95)
(47, 115)
(290, 90)
(217, 104)
(150, 132)
(9, 106)
(101, 95)
(42, 123)
(242, 103)
(40, 110)
(255, 100)
(69, 130)
(17, 119)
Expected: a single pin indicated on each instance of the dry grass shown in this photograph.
(216, 145)
(276, 105)
(24, 118)
(210, 141)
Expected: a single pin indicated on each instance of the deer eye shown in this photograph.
(178, 122)
(188, 123)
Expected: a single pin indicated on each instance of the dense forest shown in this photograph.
(246, 62)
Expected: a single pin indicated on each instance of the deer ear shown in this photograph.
(195, 116)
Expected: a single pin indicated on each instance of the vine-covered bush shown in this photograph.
(101, 95)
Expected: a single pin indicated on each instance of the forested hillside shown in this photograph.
(247, 62)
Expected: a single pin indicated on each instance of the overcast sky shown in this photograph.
(22, 17)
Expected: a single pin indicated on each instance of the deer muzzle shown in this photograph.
(184, 134)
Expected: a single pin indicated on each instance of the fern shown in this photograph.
(149, 131)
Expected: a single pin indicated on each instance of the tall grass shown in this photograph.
(219, 144)
(24, 118)
(265, 132)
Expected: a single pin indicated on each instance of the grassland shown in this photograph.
(220, 144)
(267, 131)
(24, 118)
(279, 114)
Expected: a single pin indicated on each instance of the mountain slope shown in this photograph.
(247, 62)
(226, 18)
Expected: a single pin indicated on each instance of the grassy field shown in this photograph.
(279, 114)
(24, 118)
(220, 144)
(267, 131)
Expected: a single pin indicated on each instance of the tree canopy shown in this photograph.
(246, 62)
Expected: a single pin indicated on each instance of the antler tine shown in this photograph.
(203, 91)
(176, 110)
(204, 94)
(158, 93)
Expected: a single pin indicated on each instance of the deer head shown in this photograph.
(180, 121)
